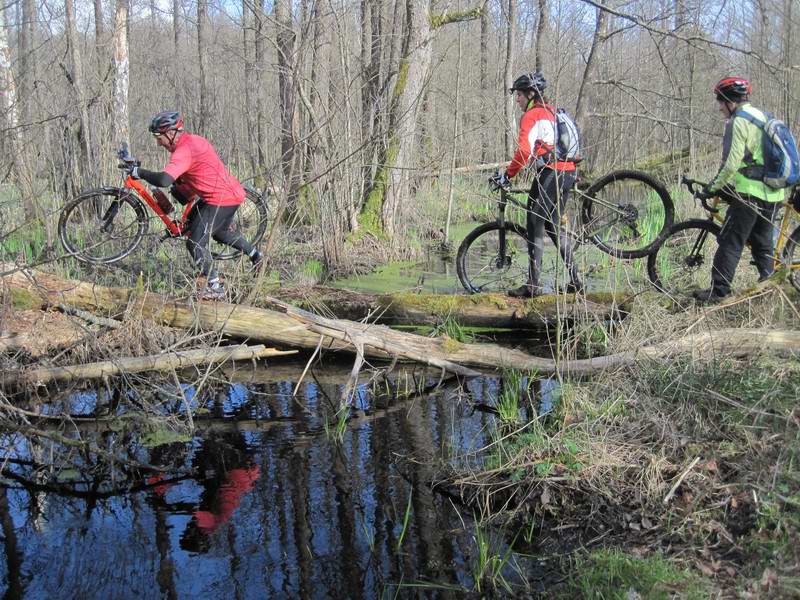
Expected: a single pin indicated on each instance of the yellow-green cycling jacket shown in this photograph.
(742, 147)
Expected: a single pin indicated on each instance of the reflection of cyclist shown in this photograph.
(229, 474)
(195, 169)
(752, 204)
(551, 187)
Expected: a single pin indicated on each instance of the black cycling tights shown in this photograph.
(546, 201)
(209, 221)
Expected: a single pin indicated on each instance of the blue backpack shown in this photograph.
(781, 167)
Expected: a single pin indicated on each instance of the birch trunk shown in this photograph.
(508, 77)
(121, 70)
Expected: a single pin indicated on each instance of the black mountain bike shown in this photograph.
(625, 214)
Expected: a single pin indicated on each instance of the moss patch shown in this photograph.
(443, 304)
(22, 299)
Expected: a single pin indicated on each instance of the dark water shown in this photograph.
(261, 502)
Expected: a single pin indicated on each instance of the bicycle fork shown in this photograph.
(695, 256)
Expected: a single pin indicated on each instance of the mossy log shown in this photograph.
(478, 310)
(289, 326)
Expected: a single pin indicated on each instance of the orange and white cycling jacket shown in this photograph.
(537, 138)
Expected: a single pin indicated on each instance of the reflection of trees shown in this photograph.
(13, 558)
(322, 516)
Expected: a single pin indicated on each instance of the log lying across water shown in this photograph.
(480, 310)
(138, 364)
(291, 327)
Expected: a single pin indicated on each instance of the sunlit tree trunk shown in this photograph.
(484, 109)
(508, 76)
(121, 70)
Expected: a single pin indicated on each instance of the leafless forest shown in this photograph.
(347, 110)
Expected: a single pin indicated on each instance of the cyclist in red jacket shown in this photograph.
(551, 186)
(194, 169)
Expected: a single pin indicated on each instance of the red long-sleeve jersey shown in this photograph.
(537, 138)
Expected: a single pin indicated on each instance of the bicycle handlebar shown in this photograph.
(126, 161)
(694, 186)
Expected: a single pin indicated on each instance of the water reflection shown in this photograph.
(259, 504)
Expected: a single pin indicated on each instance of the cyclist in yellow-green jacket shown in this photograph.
(752, 203)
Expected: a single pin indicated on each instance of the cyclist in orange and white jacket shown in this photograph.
(551, 187)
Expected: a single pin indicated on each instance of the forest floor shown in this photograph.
(668, 479)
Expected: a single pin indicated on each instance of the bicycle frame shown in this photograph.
(783, 231)
(174, 226)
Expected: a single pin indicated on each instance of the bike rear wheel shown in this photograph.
(250, 219)
(791, 258)
(626, 214)
(102, 226)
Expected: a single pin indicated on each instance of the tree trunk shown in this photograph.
(203, 39)
(484, 91)
(249, 115)
(390, 188)
(586, 87)
(83, 171)
(8, 91)
(541, 33)
(508, 77)
(121, 66)
(259, 62)
(27, 63)
(287, 90)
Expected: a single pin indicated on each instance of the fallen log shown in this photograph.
(295, 328)
(159, 362)
(478, 310)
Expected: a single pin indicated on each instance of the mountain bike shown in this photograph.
(625, 214)
(104, 225)
(683, 260)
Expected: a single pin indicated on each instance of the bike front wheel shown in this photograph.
(250, 220)
(102, 226)
(626, 214)
(683, 261)
(791, 258)
(493, 258)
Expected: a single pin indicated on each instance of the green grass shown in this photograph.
(611, 574)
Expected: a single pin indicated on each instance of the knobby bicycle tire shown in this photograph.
(481, 271)
(251, 219)
(791, 258)
(683, 260)
(626, 214)
(102, 226)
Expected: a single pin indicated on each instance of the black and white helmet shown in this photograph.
(529, 82)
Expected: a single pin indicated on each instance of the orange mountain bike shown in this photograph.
(683, 260)
(104, 225)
